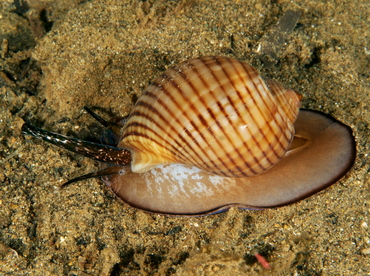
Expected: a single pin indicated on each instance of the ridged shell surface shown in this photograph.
(215, 113)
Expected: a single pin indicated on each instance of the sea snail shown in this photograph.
(209, 134)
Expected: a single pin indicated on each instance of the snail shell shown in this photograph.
(215, 113)
(209, 134)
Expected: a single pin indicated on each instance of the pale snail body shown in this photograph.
(210, 133)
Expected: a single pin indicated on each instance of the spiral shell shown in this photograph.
(215, 113)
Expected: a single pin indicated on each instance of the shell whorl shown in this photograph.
(215, 113)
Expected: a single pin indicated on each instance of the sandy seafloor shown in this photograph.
(58, 56)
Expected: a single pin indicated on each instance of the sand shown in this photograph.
(58, 56)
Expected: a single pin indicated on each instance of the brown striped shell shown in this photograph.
(215, 113)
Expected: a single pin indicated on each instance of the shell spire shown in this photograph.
(215, 113)
(288, 99)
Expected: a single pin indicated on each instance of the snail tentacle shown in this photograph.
(112, 128)
(109, 171)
